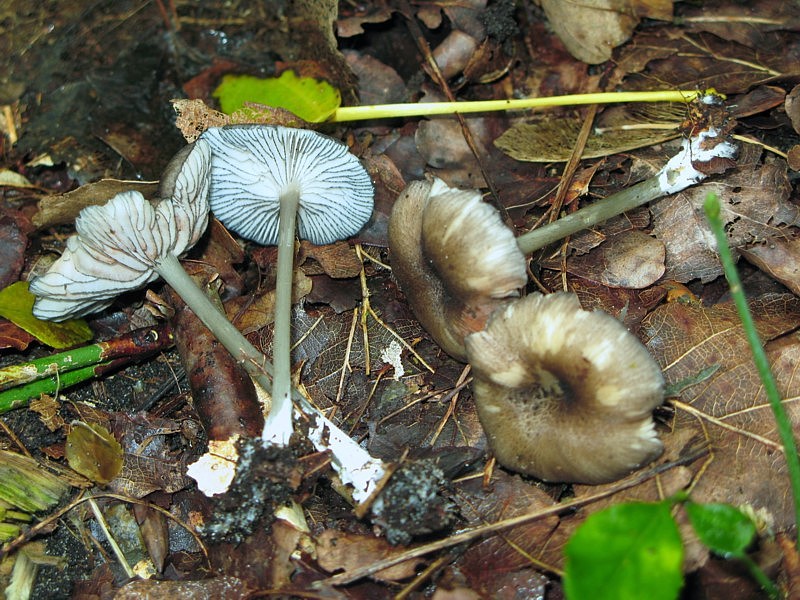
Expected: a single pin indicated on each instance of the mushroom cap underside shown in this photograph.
(118, 245)
(253, 165)
(454, 259)
(565, 394)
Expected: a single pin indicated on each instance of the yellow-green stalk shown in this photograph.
(425, 109)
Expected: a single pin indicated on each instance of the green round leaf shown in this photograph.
(627, 551)
(723, 528)
(16, 305)
(310, 99)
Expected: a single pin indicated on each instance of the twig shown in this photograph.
(436, 74)
(101, 521)
(483, 530)
(720, 423)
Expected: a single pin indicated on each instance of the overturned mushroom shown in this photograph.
(454, 259)
(127, 243)
(264, 180)
(565, 394)
(118, 245)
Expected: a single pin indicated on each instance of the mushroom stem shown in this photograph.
(278, 426)
(170, 269)
(589, 216)
(353, 463)
(679, 173)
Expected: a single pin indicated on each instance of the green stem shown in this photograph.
(231, 338)
(712, 209)
(18, 397)
(758, 574)
(589, 216)
(48, 366)
(425, 109)
(278, 425)
(136, 343)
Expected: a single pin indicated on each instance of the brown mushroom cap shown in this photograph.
(454, 259)
(565, 394)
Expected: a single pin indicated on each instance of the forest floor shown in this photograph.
(87, 92)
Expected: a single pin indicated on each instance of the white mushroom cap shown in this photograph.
(454, 259)
(253, 165)
(565, 394)
(119, 244)
(185, 182)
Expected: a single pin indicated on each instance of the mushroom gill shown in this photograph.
(565, 394)
(267, 182)
(454, 259)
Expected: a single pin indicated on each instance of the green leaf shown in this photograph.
(723, 528)
(310, 99)
(627, 551)
(16, 305)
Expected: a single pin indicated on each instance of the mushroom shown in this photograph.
(454, 259)
(564, 394)
(264, 180)
(127, 243)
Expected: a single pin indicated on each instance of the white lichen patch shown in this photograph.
(679, 173)
(392, 355)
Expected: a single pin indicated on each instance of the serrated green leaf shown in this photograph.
(723, 528)
(309, 99)
(16, 305)
(627, 551)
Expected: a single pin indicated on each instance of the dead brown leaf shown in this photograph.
(63, 208)
(155, 533)
(628, 305)
(728, 408)
(342, 551)
(150, 463)
(48, 409)
(631, 260)
(518, 548)
(616, 130)
(251, 314)
(352, 24)
(13, 242)
(223, 394)
(338, 260)
(754, 202)
(341, 295)
(793, 107)
(12, 336)
(674, 58)
(593, 28)
(780, 258)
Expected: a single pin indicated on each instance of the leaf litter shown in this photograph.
(359, 352)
